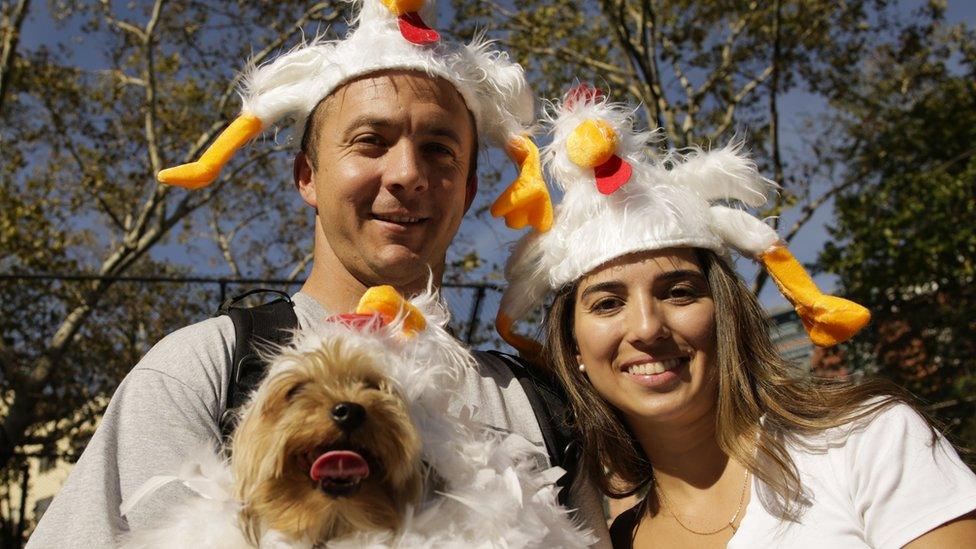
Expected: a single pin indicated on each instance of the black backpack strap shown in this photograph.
(552, 410)
(255, 329)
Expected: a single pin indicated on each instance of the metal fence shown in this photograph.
(467, 300)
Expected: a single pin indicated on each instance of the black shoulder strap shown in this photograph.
(255, 329)
(552, 410)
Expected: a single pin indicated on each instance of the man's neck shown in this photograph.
(338, 290)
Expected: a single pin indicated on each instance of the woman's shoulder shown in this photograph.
(873, 422)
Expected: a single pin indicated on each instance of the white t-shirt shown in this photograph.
(878, 484)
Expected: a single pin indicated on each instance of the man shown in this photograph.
(388, 164)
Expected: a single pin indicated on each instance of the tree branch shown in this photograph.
(729, 116)
(8, 48)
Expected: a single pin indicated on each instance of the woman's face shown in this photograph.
(645, 329)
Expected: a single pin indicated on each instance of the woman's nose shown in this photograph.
(646, 322)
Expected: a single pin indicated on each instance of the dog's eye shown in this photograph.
(294, 391)
(372, 385)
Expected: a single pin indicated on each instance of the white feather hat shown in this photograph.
(493, 87)
(619, 200)
(386, 34)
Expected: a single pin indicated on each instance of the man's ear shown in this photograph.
(302, 173)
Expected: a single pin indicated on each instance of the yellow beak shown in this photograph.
(388, 303)
(399, 7)
(592, 143)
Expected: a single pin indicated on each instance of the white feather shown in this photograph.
(742, 231)
(721, 174)
(525, 270)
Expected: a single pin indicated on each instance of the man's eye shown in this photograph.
(439, 149)
(370, 139)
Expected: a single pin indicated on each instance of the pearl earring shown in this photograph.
(582, 367)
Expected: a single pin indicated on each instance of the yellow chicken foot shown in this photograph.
(828, 319)
(526, 201)
(201, 173)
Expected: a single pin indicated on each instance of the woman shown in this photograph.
(675, 386)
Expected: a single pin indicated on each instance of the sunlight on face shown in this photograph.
(392, 160)
(644, 325)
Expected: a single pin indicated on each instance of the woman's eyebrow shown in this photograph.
(609, 286)
(681, 274)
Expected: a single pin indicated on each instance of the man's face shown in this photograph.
(389, 174)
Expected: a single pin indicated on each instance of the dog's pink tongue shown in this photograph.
(339, 464)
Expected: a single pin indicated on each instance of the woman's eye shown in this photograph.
(682, 293)
(606, 304)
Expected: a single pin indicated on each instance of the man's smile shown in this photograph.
(400, 219)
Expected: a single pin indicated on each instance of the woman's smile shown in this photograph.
(656, 374)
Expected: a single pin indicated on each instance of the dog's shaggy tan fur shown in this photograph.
(288, 422)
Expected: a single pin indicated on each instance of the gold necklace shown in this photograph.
(729, 524)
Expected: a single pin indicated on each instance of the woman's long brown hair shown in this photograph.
(755, 386)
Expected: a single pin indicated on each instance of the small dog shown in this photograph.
(359, 437)
(325, 447)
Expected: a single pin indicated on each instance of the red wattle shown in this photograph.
(612, 174)
(413, 28)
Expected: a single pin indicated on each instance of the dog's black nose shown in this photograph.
(348, 415)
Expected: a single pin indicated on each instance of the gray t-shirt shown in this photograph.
(169, 405)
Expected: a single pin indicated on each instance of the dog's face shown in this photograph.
(326, 446)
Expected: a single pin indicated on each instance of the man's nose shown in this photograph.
(404, 169)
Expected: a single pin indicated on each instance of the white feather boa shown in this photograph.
(491, 491)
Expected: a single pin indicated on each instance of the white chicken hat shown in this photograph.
(386, 34)
(619, 201)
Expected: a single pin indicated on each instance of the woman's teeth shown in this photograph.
(651, 368)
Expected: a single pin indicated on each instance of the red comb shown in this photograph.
(413, 28)
(368, 323)
(584, 93)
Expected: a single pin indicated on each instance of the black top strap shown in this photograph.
(623, 529)
(256, 329)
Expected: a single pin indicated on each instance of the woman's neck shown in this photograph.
(684, 455)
